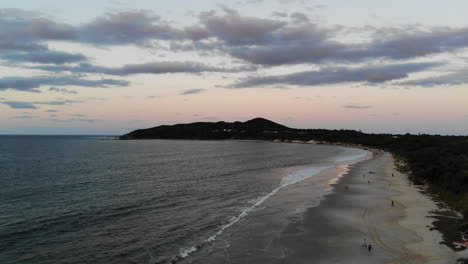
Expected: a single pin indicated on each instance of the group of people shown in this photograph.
(368, 246)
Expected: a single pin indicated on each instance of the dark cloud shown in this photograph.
(130, 27)
(283, 39)
(266, 41)
(126, 28)
(258, 40)
(62, 90)
(21, 105)
(32, 105)
(193, 91)
(7, 45)
(32, 83)
(44, 56)
(58, 102)
(74, 120)
(367, 74)
(358, 106)
(234, 29)
(300, 17)
(209, 118)
(162, 67)
(46, 29)
(279, 42)
(22, 117)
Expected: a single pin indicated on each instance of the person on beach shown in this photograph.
(369, 248)
(346, 187)
(393, 203)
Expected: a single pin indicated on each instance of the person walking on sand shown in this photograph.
(369, 248)
(393, 203)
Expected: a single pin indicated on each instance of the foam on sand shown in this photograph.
(293, 178)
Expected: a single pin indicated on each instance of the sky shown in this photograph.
(108, 67)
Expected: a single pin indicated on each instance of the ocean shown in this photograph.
(84, 199)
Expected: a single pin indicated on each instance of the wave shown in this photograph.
(293, 178)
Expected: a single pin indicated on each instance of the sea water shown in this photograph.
(79, 199)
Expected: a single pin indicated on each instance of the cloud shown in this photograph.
(22, 117)
(192, 91)
(163, 67)
(74, 120)
(20, 105)
(232, 28)
(30, 84)
(32, 105)
(45, 56)
(358, 106)
(58, 102)
(454, 78)
(335, 75)
(128, 27)
(209, 118)
(296, 41)
(282, 39)
(46, 29)
(62, 90)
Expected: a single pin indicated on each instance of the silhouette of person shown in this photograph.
(369, 248)
(393, 203)
(346, 187)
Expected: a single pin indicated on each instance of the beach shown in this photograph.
(360, 211)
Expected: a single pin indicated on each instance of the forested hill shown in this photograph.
(441, 161)
(252, 129)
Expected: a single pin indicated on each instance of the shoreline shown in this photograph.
(360, 208)
(404, 233)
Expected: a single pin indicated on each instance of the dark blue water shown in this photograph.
(67, 199)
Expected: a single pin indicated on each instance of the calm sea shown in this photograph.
(79, 199)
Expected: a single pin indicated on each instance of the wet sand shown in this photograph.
(360, 210)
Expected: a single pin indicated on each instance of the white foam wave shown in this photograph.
(361, 155)
(290, 179)
(186, 251)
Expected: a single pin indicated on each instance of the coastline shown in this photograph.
(334, 231)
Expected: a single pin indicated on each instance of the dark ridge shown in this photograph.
(251, 129)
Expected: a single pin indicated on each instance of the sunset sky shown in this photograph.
(112, 66)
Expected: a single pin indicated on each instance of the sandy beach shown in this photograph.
(360, 210)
